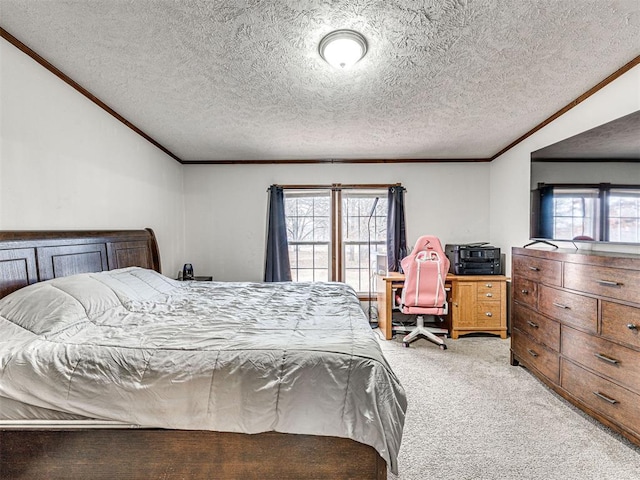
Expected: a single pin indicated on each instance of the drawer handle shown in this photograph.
(535, 269)
(606, 359)
(560, 305)
(606, 398)
(632, 326)
(489, 314)
(609, 283)
(488, 285)
(524, 292)
(532, 353)
(489, 295)
(532, 324)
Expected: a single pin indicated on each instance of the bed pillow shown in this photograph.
(137, 284)
(54, 304)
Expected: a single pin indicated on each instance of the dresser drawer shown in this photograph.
(609, 282)
(621, 323)
(542, 329)
(570, 308)
(536, 356)
(617, 403)
(525, 291)
(537, 269)
(620, 364)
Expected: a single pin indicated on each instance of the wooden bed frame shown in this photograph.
(28, 257)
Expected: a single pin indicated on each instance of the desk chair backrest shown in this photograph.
(425, 270)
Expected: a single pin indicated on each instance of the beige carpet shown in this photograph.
(473, 416)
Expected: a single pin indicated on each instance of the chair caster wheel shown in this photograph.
(443, 347)
(406, 345)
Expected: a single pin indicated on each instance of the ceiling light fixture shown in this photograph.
(343, 48)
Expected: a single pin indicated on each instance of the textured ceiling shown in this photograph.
(615, 140)
(242, 80)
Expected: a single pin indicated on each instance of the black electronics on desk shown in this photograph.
(474, 259)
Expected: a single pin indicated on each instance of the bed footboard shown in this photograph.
(179, 454)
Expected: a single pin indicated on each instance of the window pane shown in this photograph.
(364, 286)
(322, 229)
(351, 256)
(628, 207)
(321, 275)
(624, 215)
(305, 275)
(321, 256)
(614, 206)
(305, 256)
(322, 206)
(563, 227)
(629, 230)
(352, 278)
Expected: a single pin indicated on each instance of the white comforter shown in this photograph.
(134, 346)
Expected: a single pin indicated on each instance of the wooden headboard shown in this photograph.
(28, 257)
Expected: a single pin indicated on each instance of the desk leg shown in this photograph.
(388, 310)
(384, 292)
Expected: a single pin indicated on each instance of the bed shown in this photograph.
(142, 376)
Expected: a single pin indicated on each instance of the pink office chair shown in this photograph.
(425, 270)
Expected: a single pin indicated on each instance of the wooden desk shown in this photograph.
(386, 287)
(477, 303)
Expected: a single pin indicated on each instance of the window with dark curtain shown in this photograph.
(396, 230)
(277, 267)
(333, 232)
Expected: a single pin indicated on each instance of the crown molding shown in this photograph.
(333, 161)
(83, 91)
(65, 78)
(621, 71)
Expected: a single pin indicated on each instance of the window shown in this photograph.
(308, 216)
(364, 235)
(335, 234)
(575, 213)
(624, 215)
(601, 212)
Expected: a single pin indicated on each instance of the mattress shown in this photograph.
(133, 347)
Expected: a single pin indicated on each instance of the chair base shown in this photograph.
(428, 333)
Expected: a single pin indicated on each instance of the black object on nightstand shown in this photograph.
(196, 279)
(187, 274)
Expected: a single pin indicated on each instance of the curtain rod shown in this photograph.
(340, 186)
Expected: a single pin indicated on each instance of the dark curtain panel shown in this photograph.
(546, 212)
(277, 267)
(396, 231)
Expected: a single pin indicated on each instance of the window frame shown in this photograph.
(336, 244)
(370, 242)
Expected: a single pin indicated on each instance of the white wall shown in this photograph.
(67, 164)
(624, 173)
(510, 173)
(226, 206)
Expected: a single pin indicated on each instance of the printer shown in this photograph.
(474, 259)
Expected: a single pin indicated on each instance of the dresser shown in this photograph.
(575, 321)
